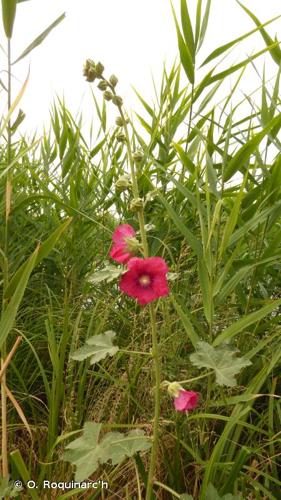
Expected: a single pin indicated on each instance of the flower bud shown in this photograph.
(119, 121)
(113, 80)
(138, 156)
(99, 69)
(174, 389)
(117, 100)
(107, 95)
(121, 137)
(133, 245)
(89, 70)
(102, 85)
(123, 182)
(136, 205)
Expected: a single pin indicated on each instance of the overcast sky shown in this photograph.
(132, 38)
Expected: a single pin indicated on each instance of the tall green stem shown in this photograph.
(155, 349)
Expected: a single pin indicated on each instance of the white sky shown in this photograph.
(132, 38)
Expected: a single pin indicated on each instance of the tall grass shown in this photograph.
(210, 181)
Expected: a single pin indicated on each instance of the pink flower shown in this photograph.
(186, 400)
(145, 279)
(121, 238)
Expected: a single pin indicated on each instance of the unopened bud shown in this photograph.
(89, 70)
(107, 95)
(138, 156)
(113, 80)
(136, 205)
(99, 68)
(133, 245)
(102, 85)
(121, 137)
(119, 121)
(117, 100)
(123, 182)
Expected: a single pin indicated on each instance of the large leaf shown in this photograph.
(40, 38)
(97, 348)
(221, 359)
(88, 452)
(9, 8)
(108, 273)
(9, 314)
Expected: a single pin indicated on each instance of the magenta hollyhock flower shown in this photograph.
(145, 279)
(120, 249)
(186, 400)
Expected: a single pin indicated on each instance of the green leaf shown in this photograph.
(191, 333)
(9, 314)
(97, 348)
(108, 274)
(45, 248)
(220, 50)
(244, 153)
(204, 25)
(87, 452)
(246, 321)
(220, 359)
(185, 55)
(40, 38)
(212, 494)
(185, 496)
(9, 8)
(275, 52)
(187, 28)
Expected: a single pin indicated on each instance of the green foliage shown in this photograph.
(221, 359)
(9, 8)
(97, 348)
(88, 451)
(108, 273)
(212, 494)
(8, 489)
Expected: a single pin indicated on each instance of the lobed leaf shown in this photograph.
(97, 348)
(221, 359)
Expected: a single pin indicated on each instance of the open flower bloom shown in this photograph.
(146, 279)
(186, 400)
(121, 249)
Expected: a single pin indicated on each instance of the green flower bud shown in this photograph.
(102, 85)
(117, 100)
(121, 137)
(107, 95)
(113, 80)
(89, 70)
(119, 121)
(138, 156)
(136, 205)
(99, 69)
(123, 183)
